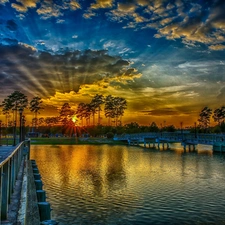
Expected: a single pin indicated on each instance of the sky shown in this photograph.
(165, 57)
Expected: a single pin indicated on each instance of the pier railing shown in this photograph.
(175, 137)
(9, 171)
(9, 141)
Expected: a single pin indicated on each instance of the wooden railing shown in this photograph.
(9, 171)
(175, 137)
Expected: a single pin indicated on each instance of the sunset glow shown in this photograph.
(74, 119)
(165, 57)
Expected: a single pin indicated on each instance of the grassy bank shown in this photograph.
(74, 141)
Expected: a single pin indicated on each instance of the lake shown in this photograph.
(104, 184)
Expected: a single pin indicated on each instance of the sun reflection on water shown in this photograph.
(129, 185)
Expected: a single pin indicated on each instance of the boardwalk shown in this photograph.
(11, 166)
(5, 152)
(186, 139)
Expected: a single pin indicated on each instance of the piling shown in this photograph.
(43, 206)
(41, 195)
(44, 210)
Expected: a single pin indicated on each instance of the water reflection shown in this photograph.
(129, 185)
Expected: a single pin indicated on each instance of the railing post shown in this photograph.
(28, 150)
(13, 175)
(1, 178)
(4, 191)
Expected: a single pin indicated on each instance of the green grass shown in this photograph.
(73, 141)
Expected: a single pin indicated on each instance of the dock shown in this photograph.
(187, 140)
(19, 202)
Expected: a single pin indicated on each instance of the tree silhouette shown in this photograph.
(66, 113)
(204, 117)
(219, 115)
(35, 107)
(120, 105)
(95, 106)
(15, 101)
(109, 108)
(6, 110)
(114, 108)
(83, 111)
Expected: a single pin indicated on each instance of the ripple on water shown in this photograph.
(122, 185)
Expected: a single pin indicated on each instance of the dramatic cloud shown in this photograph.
(11, 25)
(188, 21)
(46, 73)
(46, 9)
(24, 5)
(165, 56)
(102, 4)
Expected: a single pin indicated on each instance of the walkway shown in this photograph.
(186, 139)
(5, 151)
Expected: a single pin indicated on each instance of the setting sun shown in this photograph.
(74, 119)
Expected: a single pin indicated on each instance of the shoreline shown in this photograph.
(75, 141)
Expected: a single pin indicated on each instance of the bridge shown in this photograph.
(190, 140)
(20, 200)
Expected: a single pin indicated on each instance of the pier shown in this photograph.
(188, 140)
(19, 202)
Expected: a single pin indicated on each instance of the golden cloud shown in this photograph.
(217, 47)
(25, 4)
(3, 1)
(74, 5)
(102, 4)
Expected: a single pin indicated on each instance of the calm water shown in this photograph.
(130, 185)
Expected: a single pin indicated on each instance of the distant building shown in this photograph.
(32, 134)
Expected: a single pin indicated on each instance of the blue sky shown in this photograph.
(167, 58)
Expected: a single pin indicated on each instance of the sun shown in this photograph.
(74, 119)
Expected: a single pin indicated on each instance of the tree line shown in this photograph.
(218, 115)
(90, 115)
(16, 103)
(114, 108)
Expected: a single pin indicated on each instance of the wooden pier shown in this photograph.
(188, 140)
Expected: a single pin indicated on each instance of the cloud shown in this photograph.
(3, 1)
(60, 21)
(102, 4)
(49, 9)
(27, 46)
(94, 7)
(42, 73)
(218, 47)
(188, 21)
(9, 41)
(46, 9)
(163, 112)
(11, 25)
(74, 5)
(24, 5)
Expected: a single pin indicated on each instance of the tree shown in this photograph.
(132, 127)
(120, 105)
(204, 117)
(6, 110)
(35, 107)
(95, 104)
(87, 113)
(41, 121)
(114, 108)
(66, 113)
(219, 115)
(15, 101)
(83, 111)
(153, 127)
(109, 113)
(80, 112)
